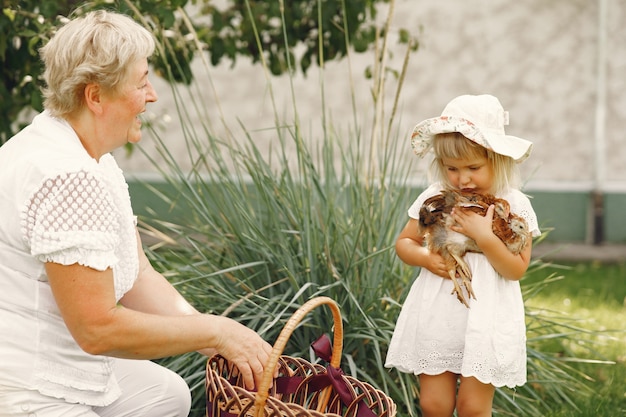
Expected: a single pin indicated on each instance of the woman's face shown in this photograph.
(473, 174)
(123, 108)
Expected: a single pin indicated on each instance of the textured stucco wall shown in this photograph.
(538, 56)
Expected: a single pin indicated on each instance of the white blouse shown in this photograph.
(58, 205)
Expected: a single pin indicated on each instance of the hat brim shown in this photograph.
(422, 136)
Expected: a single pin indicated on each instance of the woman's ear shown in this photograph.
(93, 97)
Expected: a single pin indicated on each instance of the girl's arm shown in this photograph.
(477, 227)
(410, 249)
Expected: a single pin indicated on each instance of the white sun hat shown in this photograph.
(479, 118)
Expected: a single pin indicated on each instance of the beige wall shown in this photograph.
(538, 56)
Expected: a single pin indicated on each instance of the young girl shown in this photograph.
(462, 354)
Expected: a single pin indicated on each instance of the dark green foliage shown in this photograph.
(22, 33)
(224, 33)
(306, 22)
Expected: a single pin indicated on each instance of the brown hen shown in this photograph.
(435, 225)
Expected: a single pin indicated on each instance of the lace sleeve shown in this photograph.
(71, 219)
(520, 205)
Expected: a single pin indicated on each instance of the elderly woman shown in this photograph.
(81, 309)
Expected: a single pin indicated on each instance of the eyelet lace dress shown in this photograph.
(435, 333)
(65, 207)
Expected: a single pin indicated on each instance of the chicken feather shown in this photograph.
(435, 222)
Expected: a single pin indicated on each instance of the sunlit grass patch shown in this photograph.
(592, 296)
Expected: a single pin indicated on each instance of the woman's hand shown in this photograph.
(246, 350)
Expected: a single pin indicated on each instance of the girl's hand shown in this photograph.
(472, 224)
(437, 266)
(479, 228)
(410, 248)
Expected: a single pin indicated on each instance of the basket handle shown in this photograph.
(281, 342)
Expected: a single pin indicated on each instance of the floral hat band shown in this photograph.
(481, 119)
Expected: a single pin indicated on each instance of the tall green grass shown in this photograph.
(261, 235)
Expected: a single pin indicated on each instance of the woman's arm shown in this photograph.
(151, 321)
(152, 293)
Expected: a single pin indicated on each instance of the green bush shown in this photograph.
(260, 236)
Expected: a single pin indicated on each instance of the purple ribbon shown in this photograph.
(334, 376)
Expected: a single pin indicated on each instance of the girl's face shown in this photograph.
(473, 174)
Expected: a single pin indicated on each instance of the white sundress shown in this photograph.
(435, 333)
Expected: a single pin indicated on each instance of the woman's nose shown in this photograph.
(151, 96)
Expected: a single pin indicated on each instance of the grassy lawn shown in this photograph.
(594, 296)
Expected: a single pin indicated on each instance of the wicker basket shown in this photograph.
(302, 389)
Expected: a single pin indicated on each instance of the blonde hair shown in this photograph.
(454, 145)
(96, 48)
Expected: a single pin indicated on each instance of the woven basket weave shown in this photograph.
(303, 389)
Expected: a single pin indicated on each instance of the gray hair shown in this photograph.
(96, 48)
